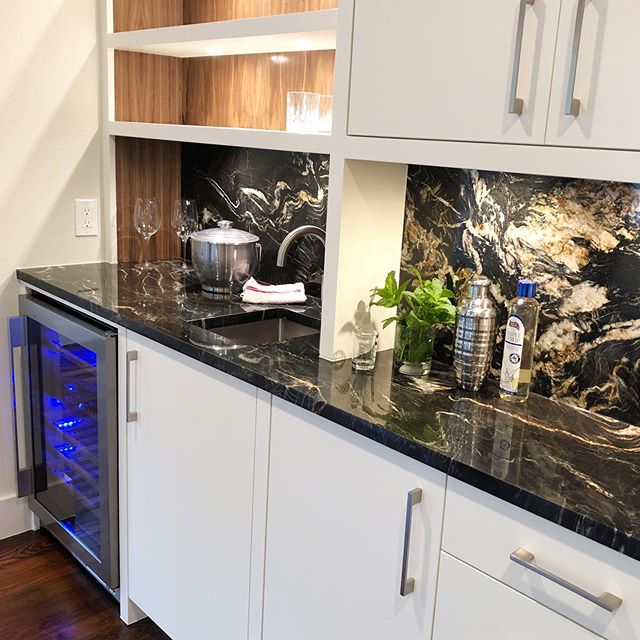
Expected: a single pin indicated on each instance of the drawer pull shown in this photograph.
(516, 105)
(525, 558)
(407, 585)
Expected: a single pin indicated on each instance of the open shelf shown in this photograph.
(313, 30)
(224, 136)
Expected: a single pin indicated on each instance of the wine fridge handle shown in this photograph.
(132, 416)
(18, 340)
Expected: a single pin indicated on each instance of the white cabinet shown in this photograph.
(605, 75)
(584, 568)
(473, 606)
(336, 534)
(444, 70)
(428, 69)
(190, 461)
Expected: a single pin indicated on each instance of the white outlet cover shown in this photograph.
(86, 216)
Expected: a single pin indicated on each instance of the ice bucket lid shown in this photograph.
(225, 234)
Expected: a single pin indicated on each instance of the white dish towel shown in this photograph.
(254, 292)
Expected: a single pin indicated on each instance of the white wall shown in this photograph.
(49, 155)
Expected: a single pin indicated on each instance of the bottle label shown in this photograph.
(512, 358)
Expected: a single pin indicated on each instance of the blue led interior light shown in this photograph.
(67, 423)
(67, 450)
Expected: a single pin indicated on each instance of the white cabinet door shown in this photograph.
(190, 484)
(606, 67)
(438, 69)
(473, 606)
(336, 532)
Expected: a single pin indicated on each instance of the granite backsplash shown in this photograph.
(268, 193)
(579, 239)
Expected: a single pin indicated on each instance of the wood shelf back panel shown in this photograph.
(148, 88)
(130, 15)
(214, 10)
(251, 91)
(150, 168)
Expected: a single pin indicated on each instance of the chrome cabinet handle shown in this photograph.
(525, 558)
(132, 416)
(18, 339)
(516, 105)
(407, 585)
(572, 105)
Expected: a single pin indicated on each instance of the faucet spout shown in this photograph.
(292, 236)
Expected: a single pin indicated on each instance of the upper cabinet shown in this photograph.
(454, 70)
(600, 108)
(554, 72)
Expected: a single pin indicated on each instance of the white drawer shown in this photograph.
(483, 531)
(473, 606)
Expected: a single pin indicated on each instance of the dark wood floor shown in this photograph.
(45, 595)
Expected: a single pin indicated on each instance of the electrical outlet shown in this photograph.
(86, 217)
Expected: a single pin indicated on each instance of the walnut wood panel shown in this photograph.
(213, 10)
(129, 15)
(148, 88)
(149, 168)
(251, 91)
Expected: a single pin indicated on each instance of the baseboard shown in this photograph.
(15, 516)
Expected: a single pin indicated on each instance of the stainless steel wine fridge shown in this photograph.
(65, 419)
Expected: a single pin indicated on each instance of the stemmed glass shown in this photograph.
(184, 222)
(146, 220)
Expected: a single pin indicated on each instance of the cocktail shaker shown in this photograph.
(475, 335)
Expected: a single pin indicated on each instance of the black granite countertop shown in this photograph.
(572, 467)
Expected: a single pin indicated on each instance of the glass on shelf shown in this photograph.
(303, 112)
(325, 113)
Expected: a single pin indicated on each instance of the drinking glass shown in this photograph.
(325, 113)
(302, 111)
(365, 346)
(184, 222)
(146, 220)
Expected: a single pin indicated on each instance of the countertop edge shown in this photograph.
(598, 532)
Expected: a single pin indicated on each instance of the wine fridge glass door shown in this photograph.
(73, 405)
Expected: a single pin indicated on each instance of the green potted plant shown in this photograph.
(417, 313)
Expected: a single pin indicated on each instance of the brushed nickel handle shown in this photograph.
(17, 340)
(516, 105)
(407, 585)
(132, 356)
(525, 558)
(572, 104)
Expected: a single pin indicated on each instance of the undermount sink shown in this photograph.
(253, 328)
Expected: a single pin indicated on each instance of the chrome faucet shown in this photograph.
(292, 236)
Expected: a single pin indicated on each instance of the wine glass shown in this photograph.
(184, 222)
(146, 220)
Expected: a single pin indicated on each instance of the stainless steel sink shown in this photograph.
(254, 328)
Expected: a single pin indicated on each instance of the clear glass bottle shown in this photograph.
(519, 343)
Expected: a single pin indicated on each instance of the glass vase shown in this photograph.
(413, 350)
